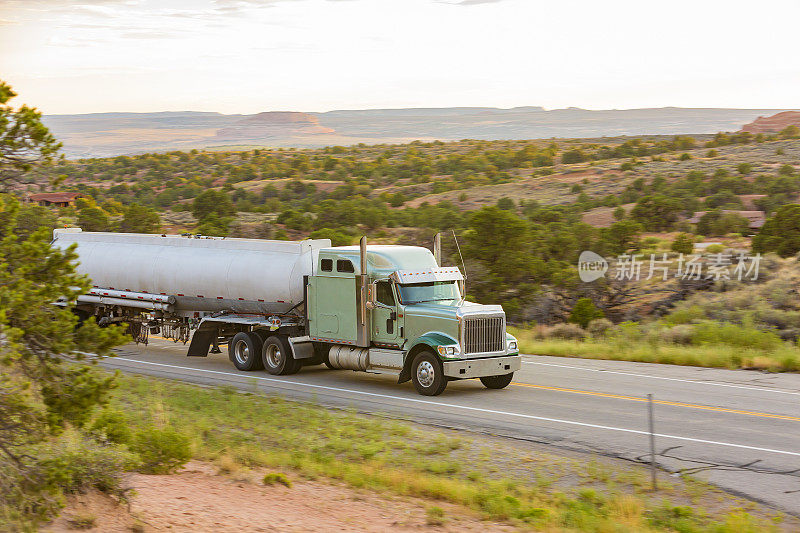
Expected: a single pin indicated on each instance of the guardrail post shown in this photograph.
(652, 442)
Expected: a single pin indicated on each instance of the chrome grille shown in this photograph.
(484, 334)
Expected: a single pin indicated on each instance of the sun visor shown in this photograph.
(427, 275)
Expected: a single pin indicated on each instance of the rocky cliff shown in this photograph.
(273, 124)
(773, 124)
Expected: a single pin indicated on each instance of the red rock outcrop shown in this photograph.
(773, 124)
(273, 124)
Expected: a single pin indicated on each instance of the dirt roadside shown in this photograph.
(198, 499)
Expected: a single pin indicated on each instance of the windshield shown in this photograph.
(429, 292)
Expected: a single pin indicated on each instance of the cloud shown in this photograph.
(148, 34)
(35, 5)
(469, 2)
(74, 42)
(237, 6)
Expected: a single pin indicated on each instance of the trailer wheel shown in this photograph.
(245, 351)
(427, 374)
(277, 357)
(497, 382)
(258, 342)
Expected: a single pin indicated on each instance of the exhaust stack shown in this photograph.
(363, 282)
(437, 248)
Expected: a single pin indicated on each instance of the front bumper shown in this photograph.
(478, 368)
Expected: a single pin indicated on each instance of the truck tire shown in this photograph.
(427, 374)
(258, 339)
(277, 357)
(497, 382)
(244, 349)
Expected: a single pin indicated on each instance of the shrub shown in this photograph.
(715, 248)
(81, 464)
(112, 426)
(629, 331)
(683, 244)
(214, 226)
(338, 238)
(434, 516)
(599, 326)
(82, 521)
(743, 336)
(573, 156)
(276, 477)
(780, 233)
(584, 312)
(162, 451)
(685, 315)
(507, 204)
(680, 334)
(568, 332)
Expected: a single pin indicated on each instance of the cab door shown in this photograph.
(332, 302)
(386, 321)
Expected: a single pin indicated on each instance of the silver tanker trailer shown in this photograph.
(280, 305)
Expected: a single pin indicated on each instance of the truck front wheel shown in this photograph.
(278, 358)
(245, 351)
(497, 382)
(427, 374)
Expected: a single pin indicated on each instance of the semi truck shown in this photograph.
(281, 305)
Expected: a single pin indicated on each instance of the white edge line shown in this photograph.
(661, 377)
(441, 404)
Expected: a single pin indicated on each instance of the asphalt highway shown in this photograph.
(737, 429)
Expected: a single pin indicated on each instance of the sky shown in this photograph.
(247, 56)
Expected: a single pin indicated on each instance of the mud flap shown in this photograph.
(405, 373)
(201, 340)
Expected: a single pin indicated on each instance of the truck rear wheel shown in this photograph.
(427, 374)
(244, 349)
(497, 382)
(277, 357)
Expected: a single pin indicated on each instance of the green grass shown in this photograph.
(82, 521)
(780, 357)
(536, 490)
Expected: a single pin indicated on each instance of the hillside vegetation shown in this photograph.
(523, 211)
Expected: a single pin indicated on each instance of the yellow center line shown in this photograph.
(164, 339)
(661, 402)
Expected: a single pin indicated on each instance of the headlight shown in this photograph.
(512, 345)
(448, 350)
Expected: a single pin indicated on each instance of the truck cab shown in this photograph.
(393, 310)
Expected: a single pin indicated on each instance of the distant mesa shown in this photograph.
(773, 124)
(272, 124)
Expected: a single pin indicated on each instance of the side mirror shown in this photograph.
(372, 294)
(372, 297)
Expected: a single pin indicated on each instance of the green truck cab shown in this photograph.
(393, 310)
